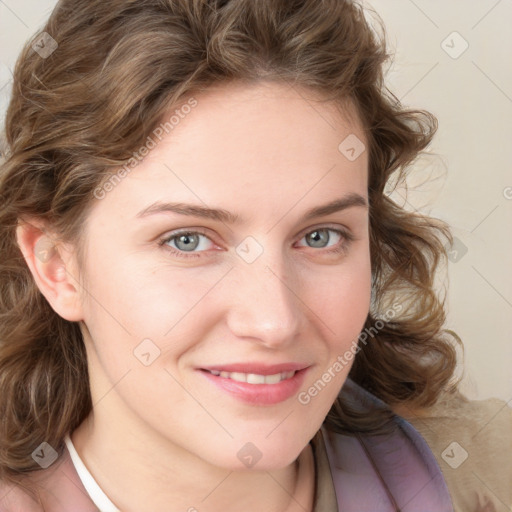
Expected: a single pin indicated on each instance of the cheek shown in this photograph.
(129, 301)
(342, 305)
(342, 299)
(132, 301)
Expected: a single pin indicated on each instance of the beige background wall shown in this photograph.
(470, 92)
(452, 58)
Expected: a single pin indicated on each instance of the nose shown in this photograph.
(265, 304)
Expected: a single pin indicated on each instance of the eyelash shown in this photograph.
(347, 239)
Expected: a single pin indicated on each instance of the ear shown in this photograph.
(53, 267)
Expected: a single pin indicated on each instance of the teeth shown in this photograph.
(239, 377)
(274, 379)
(253, 378)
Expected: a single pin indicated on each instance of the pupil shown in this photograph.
(319, 235)
(186, 240)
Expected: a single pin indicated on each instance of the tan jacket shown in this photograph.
(472, 443)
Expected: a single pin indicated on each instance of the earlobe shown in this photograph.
(50, 265)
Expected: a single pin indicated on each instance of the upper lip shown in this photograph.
(256, 368)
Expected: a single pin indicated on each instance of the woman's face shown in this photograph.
(274, 292)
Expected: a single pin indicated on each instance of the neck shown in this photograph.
(139, 470)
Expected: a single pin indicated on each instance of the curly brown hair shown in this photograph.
(78, 114)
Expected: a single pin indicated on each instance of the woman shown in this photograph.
(208, 300)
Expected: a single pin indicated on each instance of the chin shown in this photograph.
(261, 455)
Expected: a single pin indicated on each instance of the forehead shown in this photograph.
(263, 146)
(264, 118)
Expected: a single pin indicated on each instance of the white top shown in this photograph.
(98, 497)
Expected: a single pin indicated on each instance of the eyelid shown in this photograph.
(334, 227)
(173, 234)
(346, 234)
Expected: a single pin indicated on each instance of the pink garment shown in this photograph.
(60, 490)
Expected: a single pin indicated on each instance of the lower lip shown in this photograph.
(259, 394)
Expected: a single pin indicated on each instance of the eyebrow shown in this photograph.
(225, 216)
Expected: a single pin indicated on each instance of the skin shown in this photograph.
(162, 433)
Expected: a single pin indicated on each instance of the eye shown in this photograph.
(183, 243)
(190, 244)
(320, 236)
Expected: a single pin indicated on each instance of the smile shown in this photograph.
(257, 388)
(254, 378)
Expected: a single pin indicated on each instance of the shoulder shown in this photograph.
(57, 488)
(16, 498)
(472, 442)
(395, 468)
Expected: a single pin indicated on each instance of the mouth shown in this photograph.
(257, 385)
(254, 378)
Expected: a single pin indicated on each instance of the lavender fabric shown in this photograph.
(384, 473)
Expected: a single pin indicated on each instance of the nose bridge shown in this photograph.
(265, 306)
